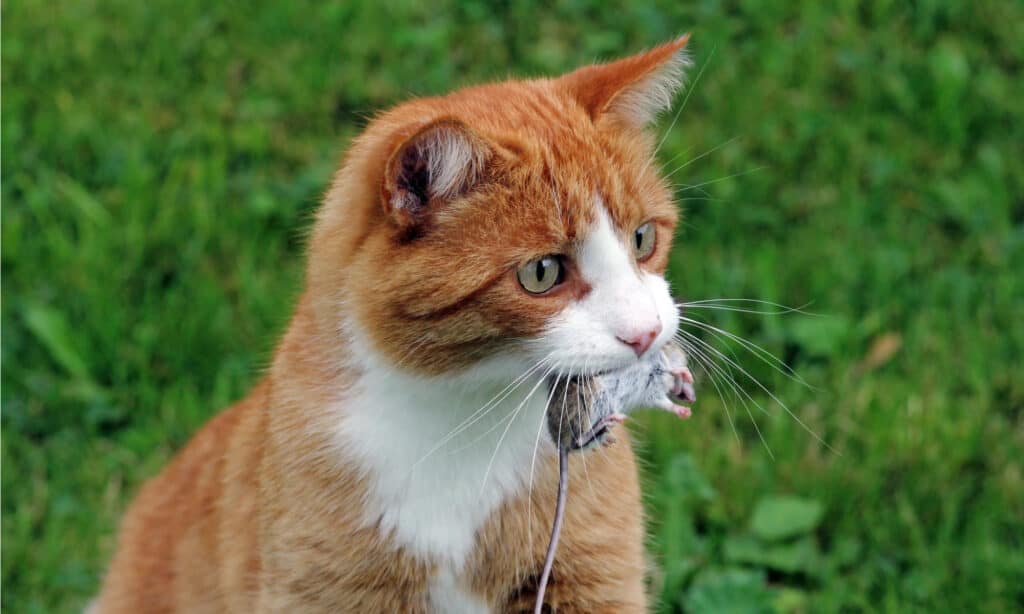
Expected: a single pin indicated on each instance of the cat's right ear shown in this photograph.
(436, 162)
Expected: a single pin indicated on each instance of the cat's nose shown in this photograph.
(641, 342)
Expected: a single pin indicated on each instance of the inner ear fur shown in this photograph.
(633, 90)
(437, 162)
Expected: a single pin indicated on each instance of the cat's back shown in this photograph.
(189, 541)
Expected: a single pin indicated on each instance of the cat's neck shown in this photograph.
(436, 455)
(441, 454)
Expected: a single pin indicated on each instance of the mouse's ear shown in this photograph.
(632, 90)
(432, 164)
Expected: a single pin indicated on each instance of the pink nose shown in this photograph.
(642, 342)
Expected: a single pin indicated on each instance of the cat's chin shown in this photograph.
(607, 367)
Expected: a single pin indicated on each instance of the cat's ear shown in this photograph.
(431, 164)
(632, 90)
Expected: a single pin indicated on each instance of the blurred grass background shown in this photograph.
(161, 161)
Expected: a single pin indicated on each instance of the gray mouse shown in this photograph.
(583, 408)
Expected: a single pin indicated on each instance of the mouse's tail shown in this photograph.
(556, 528)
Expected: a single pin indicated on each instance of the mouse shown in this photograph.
(582, 410)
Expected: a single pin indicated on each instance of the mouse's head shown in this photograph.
(507, 224)
(582, 408)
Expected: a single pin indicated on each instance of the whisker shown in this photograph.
(677, 156)
(742, 310)
(758, 351)
(533, 460)
(784, 308)
(479, 414)
(515, 413)
(485, 409)
(415, 347)
(707, 198)
(729, 363)
(589, 382)
(739, 393)
(686, 99)
(707, 195)
(774, 398)
(696, 186)
(696, 355)
(706, 153)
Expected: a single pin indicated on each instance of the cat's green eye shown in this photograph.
(643, 241)
(540, 275)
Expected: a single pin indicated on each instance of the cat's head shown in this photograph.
(516, 221)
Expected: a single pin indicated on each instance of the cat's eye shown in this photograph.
(643, 241)
(540, 275)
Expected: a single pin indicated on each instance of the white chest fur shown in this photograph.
(447, 595)
(441, 456)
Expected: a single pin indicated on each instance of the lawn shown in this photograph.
(864, 161)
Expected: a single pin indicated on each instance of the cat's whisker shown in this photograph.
(557, 200)
(694, 159)
(696, 355)
(708, 199)
(770, 394)
(742, 396)
(413, 348)
(482, 412)
(707, 195)
(494, 403)
(762, 354)
(728, 366)
(675, 157)
(533, 460)
(514, 414)
(679, 111)
(713, 373)
(580, 407)
(485, 409)
(697, 186)
(738, 393)
(741, 309)
(727, 301)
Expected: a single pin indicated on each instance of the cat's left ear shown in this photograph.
(431, 164)
(632, 90)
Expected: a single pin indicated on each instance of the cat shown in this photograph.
(392, 458)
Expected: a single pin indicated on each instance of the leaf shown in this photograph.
(845, 552)
(821, 335)
(51, 329)
(778, 518)
(801, 556)
(790, 600)
(683, 478)
(81, 199)
(729, 591)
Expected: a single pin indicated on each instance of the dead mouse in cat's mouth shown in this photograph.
(584, 408)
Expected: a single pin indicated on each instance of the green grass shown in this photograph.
(161, 162)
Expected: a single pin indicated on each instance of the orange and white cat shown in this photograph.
(393, 457)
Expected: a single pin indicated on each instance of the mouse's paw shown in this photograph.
(672, 406)
(678, 382)
(600, 433)
(682, 386)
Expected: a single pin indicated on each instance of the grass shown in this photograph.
(161, 161)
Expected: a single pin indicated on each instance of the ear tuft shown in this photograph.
(438, 162)
(633, 90)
